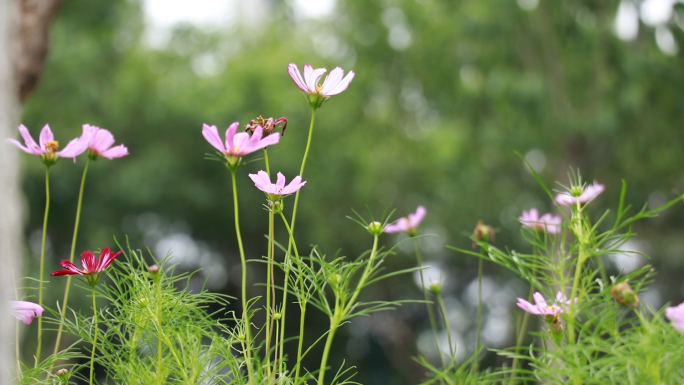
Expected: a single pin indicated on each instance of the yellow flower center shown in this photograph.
(235, 149)
(52, 145)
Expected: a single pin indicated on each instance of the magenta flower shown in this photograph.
(333, 84)
(542, 308)
(275, 191)
(238, 144)
(408, 224)
(91, 265)
(25, 311)
(99, 143)
(581, 195)
(547, 222)
(47, 149)
(676, 315)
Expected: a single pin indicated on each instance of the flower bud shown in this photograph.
(241, 336)
(154, 269)
(624, 294)
(435, 287)
(556, 328)
(277, 316)
(276, 206)
(375, 228)
(482, 233)
(64, 375)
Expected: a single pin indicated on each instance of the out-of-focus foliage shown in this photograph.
(445, 93)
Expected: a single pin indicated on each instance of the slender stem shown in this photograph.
(294, 217)
(341, 312)
(269, 286)
(281, 337)
(243, 262)
(42, 262)
(71, 258)
(520, 336)
(428, 303)
(480, 271)
(442, 309)
(92, 354)
(157, 282)
(574, 294)
(16, 349)
(302, 302)
(268, 167)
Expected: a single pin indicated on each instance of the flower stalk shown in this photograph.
(428, 303)
(42, 261)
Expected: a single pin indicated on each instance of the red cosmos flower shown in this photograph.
(91, 265)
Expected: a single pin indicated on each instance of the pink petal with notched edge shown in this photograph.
(539, 299)
(73, 149)
(70, 268)
(241, 143)
(415, 219)
(261, 181)
(296, 76)
(591, 192)
(331, 81)
(106, 258)
(280, 183)
(31, 146)
(101, 141)
(25, 311)
(211, 134)
(341, 85)
(565, 199)
(252, 144)
(528, 307)
(115, 152)
(314, 79)
(267, 141)
(230, 137)
(294, 185)
(45, 136)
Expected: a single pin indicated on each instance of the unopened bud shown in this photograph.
(375, 228)
(241, 336)
(624, 294)
(64, 375)
(556, 327)
(154, 269)
(277, 206)
(482, 233)
(277, 316)
(435, 287)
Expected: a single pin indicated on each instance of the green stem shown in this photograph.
(243, 263)
(574, 294)
(270, 285)
(157, 282)
(442, 309)
(480, 272)
(520, 336)
(302, 302)
(71, 258)
(428, 303)
(92, 354)
(341, 312)
(42, 262)
(268, 167)
(294, 217)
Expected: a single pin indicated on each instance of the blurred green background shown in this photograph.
(445, 94)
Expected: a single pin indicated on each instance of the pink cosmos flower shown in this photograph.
(676, 315)
(547, 222)
(238, 144)
(585, 195)
(91, 265)
(48, 146)
(276, 191)
(407, 224)
(25, 311)
(333, 84)
(99, 143)
(541, 307)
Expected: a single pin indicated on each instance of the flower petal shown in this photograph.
(73, 149)
(45, 136)
(341, 85)
(31, 146)
(230, 137)
(528, 307)
(296, 76)
(280, 183)
(417, 217)
(101, 141)
(106, 258)
(115, 152)
(294, 185)
(332, 80)
(211, 134)
(89, 262)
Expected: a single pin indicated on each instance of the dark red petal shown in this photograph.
(64, 272)
(70, 266)
(106, 258)
(88, 261)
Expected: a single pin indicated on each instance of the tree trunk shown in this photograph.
(11, 252)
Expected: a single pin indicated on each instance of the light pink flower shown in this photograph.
(25, 311)
(407, 224)
(541, 307)
(47, 147)
(238, 144)
(275, 191)
(99, 142)
(547, 222)
(676, 315)
(587, 194)
(333, 84)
